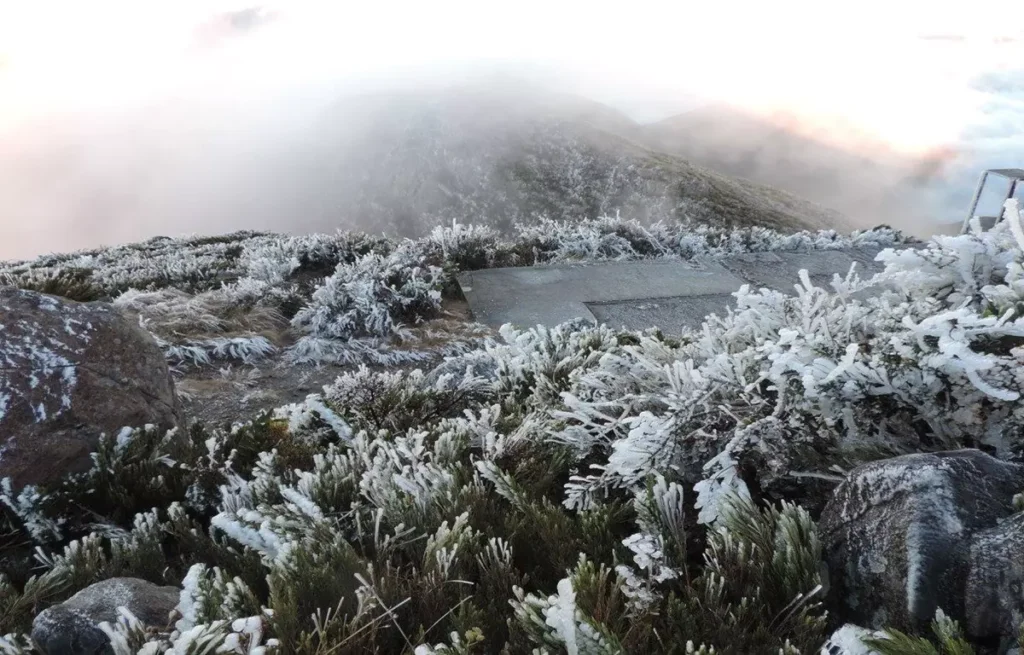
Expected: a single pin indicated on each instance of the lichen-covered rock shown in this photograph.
(69, 372)
(897, 535)
(995, 580)
(72, 627)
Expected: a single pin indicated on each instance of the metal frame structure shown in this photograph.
(1015, 175)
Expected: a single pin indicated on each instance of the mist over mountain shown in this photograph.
(863, 178)
(399, 161)
(498, 156)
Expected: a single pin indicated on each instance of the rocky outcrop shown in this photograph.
(68, 373)
(909, 535)
(72, 627)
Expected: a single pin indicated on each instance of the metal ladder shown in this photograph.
(1014, 175)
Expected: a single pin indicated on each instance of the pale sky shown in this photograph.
(910, 73)
(865, 61)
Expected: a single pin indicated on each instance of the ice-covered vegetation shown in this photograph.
(353, 298)
(568, 490)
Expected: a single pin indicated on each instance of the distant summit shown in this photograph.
(401, 162)
(853, 173)
(408, 161)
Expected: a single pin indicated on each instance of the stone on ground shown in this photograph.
(911, 534)
(995, 580)
(70, 371)
(72, 627)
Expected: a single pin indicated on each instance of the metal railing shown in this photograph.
(1014, 175)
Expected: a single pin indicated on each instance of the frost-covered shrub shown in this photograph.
(947, 638)
(70, 283)
(375, 352)
(401, 400)
(602, 238)
(348, 529)
(244, 636)
(193, 265)
(247, 350)
(467, 247)
(747, 599)
(373, 297)
(786, 386)
(313, 255)
(246, 305)
(131, 471)
(201, 329)
(618, 239)
(572, 489)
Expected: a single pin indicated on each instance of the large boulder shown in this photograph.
(995, 580)
(909, 535)
(69, 372)
(72, 627)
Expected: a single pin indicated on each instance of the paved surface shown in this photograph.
(669, 314)
(781, 270)
(670, 295)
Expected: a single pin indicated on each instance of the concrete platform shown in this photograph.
(781, 271)
(669, 314)
(667, 294)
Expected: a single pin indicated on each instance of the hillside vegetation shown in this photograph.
(570, 490)
(353, 297)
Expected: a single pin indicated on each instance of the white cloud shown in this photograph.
(991, 137)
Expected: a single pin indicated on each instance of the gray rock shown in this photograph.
(897, 535)
(72, 627)
(69, 372)
(995, 580)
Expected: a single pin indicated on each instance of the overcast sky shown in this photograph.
(916, 74)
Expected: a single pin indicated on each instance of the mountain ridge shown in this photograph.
(848, 170)
(382, 162)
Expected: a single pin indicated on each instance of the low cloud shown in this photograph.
(994, 138)
(125, 121)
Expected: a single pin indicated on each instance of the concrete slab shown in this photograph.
(669, 314)
(781, 271)
(637, 295)
(606, 281)
(552, 294)
(548, 311)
